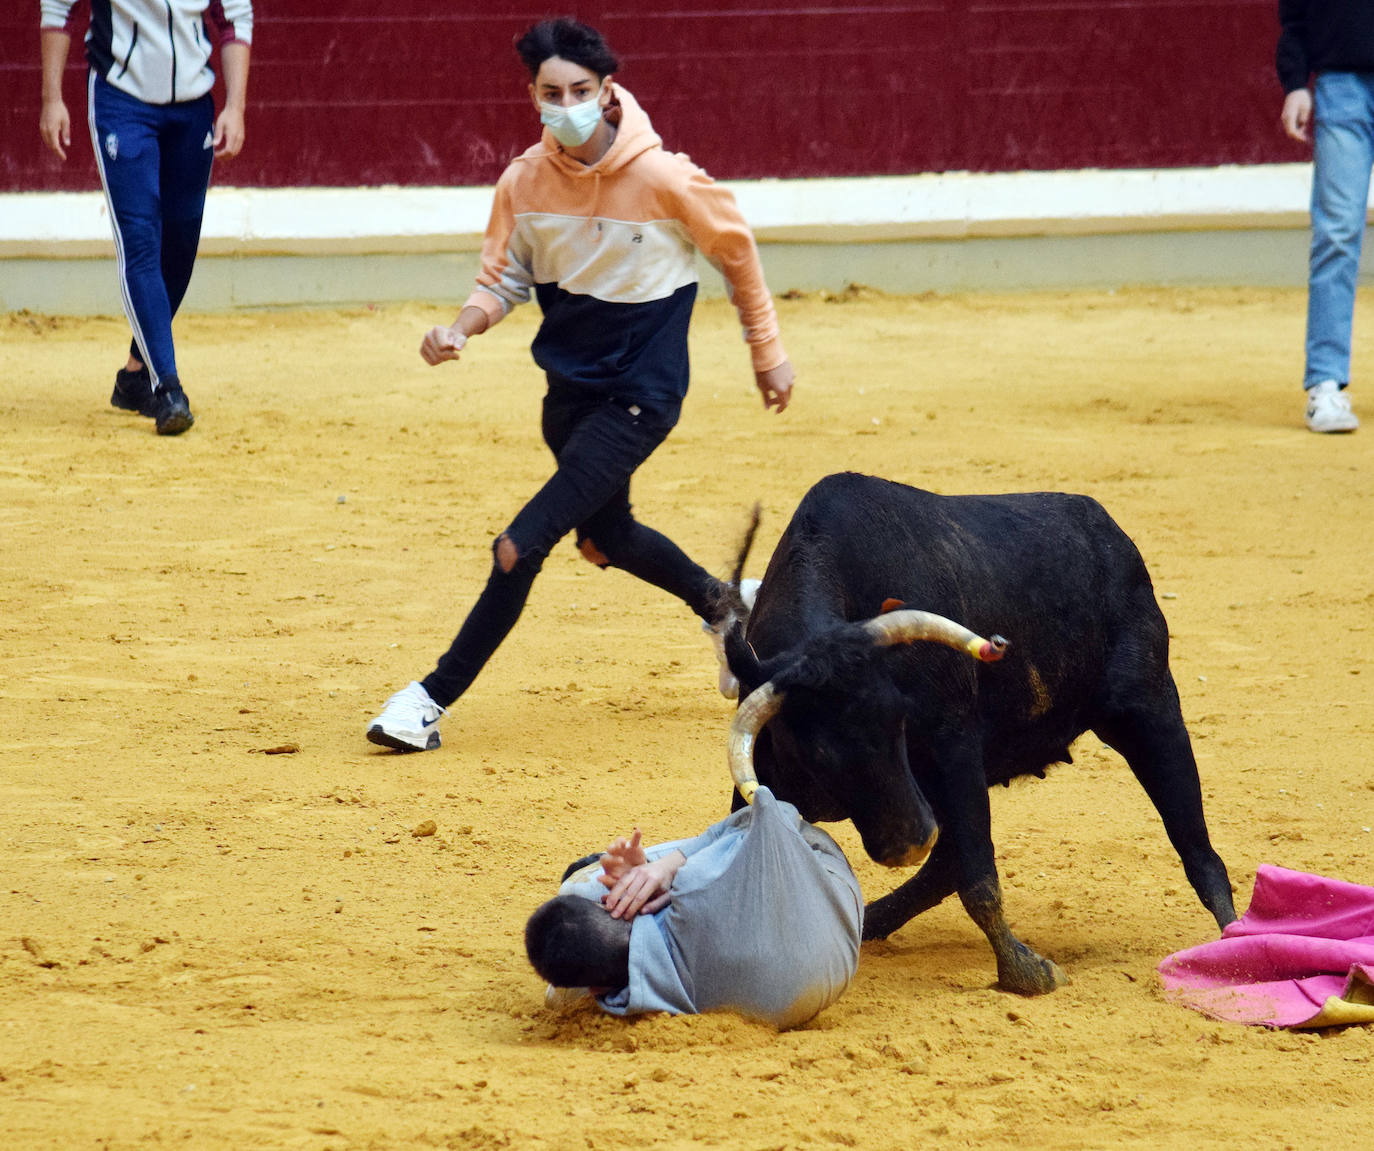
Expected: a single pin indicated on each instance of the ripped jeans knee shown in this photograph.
(510, 559)
(507, 556)
(593, 554)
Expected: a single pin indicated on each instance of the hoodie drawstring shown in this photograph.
(592, 221)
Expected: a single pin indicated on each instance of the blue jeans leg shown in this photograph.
(1342, 158)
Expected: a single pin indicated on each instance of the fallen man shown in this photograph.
(760, 915)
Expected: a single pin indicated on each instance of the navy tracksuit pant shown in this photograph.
(154, 162)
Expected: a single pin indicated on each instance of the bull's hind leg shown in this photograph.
(1155, 743)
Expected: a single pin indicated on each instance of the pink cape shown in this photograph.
(1301, 956)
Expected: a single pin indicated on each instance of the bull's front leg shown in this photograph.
(968, 821)
(937, 879)
(1019, 969)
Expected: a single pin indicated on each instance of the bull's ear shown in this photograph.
(891, 605)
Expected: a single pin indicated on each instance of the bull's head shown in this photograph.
(843, 745)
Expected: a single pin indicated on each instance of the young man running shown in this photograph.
(601, 224)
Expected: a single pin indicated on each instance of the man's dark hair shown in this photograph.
(565, 37)
(573, 942)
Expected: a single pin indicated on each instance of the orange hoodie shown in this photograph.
(609, 250)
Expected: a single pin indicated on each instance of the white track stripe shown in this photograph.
(114, 227)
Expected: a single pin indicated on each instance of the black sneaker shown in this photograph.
(171, 409)
(133, 391)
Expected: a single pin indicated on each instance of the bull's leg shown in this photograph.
(969, 824)
(1155, 744)
(1019, 969)
(966, 834)
(937, 879)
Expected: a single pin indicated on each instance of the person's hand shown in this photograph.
(1297, 114)
(441, 344)
(229, 133)
(644, 887)
(622, 855)
(55, 126)
(776, 385)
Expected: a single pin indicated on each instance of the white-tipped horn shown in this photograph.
(908, 625)
(757, 709)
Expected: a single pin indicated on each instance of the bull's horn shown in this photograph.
(908, 626)
(761, 705)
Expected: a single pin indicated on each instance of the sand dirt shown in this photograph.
(219, 930)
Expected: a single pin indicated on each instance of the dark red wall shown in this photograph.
(430, 94)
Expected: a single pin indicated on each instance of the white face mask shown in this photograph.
(572, 126)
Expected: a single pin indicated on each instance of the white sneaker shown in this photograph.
(1328, 408)
(728, 684)
(409, 721)
(726, 681)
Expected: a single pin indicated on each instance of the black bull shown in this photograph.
(904, 738)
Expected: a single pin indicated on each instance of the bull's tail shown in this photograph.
(755, 515)
(730, 606)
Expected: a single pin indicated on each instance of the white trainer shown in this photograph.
(409, 721)
(728, 684)
(726, 681)
(1328, 408)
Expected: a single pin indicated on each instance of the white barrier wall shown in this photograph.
(933, 232)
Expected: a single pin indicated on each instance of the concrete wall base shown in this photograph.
(1258, 257)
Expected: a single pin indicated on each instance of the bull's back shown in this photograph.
(1051, 571)
(875, 539)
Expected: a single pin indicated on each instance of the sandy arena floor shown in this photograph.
(219, 930)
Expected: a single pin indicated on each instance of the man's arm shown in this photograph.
(229, 127)
(1290, 57)
(627, 867)
(775, 385)
(1291, 62)
(54, 124)
(442, 343)
(718, 229)
(642, 888)
(504, 282)
(1296, 115)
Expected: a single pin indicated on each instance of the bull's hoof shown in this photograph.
(1030, 974)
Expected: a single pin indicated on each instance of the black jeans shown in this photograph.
(598, 443)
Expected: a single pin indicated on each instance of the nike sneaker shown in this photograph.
(409, 721)
(726, 681)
